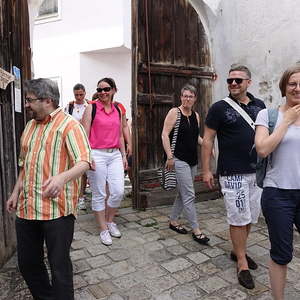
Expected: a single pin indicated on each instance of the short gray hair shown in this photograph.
(242, 68)
(189, 87)
(43, 88)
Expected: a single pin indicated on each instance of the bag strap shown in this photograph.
(94, 108)
(235, 106)
(272, 116)
(176, 128)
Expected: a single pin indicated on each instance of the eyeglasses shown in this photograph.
(30, 100)
(106, 89)
(237, 80)
(293, 85)
(188, 97)
(78, 95)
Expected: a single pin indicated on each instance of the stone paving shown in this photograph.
(151, 261)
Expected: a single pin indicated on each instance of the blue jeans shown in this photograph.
(184, 201)
(58, 235)
(281, 209)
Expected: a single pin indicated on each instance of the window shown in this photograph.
(49, 11)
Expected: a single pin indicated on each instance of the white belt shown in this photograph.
(109, 150)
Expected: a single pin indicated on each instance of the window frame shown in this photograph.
(50, 17)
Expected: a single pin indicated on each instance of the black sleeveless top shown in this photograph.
(187, 139)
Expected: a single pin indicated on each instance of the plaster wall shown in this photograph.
(259, 34)
(106, 64)
(84, 26)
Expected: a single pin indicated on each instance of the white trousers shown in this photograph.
(110, 170)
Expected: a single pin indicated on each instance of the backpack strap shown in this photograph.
(272, 116)
(71, 107)
(115, 103)
(94, 109)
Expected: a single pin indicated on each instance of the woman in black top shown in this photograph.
(184, 160)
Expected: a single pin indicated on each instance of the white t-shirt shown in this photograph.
(284, 170)
(78, 110)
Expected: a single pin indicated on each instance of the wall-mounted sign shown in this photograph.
(18, 103)
(5, 78)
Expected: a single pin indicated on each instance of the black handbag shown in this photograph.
(167, 179)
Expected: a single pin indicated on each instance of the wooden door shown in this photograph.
(14, 51)
(170, 48)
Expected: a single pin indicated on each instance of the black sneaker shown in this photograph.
(251, 263)
(245, 279)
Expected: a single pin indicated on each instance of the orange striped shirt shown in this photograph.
(49, 148)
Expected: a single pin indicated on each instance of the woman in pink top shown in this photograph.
(106, 139)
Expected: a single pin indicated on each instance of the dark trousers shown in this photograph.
(58, 235)
(281, 209)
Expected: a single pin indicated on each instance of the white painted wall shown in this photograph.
(260, 34)
(116, 65)
(85, 27)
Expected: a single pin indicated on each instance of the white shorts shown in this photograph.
(242, 198)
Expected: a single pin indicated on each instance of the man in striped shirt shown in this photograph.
(54, 154)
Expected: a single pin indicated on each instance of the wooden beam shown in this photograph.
(163, 69)
(144, 99)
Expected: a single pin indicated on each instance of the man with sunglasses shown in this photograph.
(54, 154)
(236, 163)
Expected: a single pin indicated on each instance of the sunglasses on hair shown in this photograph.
(237, 80)
(106, 89)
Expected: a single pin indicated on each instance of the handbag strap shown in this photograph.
(235, 106)
(176, 128)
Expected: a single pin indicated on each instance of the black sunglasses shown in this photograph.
(237, 80)
(106, 89)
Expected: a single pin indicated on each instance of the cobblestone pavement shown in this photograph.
(151, 261)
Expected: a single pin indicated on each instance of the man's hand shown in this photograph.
(208, 178)
(53, 186)
(11, 204)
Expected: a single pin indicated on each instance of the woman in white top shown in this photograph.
(281, 189)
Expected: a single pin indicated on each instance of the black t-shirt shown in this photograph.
(235, 136)
(187, 139)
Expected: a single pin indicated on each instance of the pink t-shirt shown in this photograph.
(105, 130)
